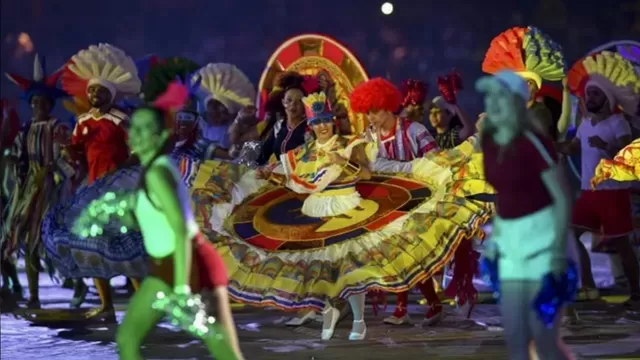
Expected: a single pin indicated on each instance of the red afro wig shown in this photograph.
(375, 94)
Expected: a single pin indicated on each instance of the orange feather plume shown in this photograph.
(72, 83)
(505, 52)
(577, 78)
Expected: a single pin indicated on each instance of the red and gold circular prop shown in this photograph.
(272, 220)
(309, 54)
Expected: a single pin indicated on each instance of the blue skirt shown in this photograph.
(111, 254)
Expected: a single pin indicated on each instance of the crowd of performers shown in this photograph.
(320, 186)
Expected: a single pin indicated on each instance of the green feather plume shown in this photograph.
(163, 73)
(543, 56)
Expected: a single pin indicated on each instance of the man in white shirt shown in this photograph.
(605, 210)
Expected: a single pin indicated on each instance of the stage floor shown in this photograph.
(604, 331)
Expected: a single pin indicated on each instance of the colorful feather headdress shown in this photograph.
(41, 84)
(613, 74)
(226, 84)
(528, 52)
(102, 64)
(317, 107)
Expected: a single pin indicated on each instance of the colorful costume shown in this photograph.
(460, 166)
(43, 183)
(115, 253)
(534, 56)
(101, 137)
(605, 210)
(300, 261)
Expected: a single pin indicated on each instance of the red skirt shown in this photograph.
(207, 268)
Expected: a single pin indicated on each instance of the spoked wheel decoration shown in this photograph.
(309, 54)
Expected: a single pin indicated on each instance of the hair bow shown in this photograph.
(449, 86)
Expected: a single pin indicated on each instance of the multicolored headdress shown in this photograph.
(41, 84)
(317, 108)
(375, 94)
(226, 84)
(102, 64)
(528, 52)
(611, 73)
(166, 71)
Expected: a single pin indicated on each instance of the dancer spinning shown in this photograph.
(42, 185)
(337, 162)
(114, 252)
(606, 82)
(530, 229)
(401, 146)
(182, 260)
(99, 74)
(535, 57)
(403, 140)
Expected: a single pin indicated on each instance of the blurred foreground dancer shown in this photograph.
(530, 228)
(182, 260)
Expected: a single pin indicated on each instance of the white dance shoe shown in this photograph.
(330, 317)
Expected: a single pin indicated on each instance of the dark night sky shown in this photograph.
(433, 35)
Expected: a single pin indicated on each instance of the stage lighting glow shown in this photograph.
(387, 8)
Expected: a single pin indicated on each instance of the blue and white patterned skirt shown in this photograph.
(106, 256)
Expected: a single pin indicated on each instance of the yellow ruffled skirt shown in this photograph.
(276, 256)
(625, 166)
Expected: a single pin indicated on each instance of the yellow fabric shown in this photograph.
(625, 166)
(529, 75)
(260, 127)
(393, 258)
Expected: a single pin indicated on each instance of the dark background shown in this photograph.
(421, 39)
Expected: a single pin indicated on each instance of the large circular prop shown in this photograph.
(272, 220)
(308, 54)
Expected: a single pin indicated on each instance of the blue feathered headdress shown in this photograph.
(41, 84)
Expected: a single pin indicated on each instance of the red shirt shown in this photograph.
(104, 141)
(515, 173)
